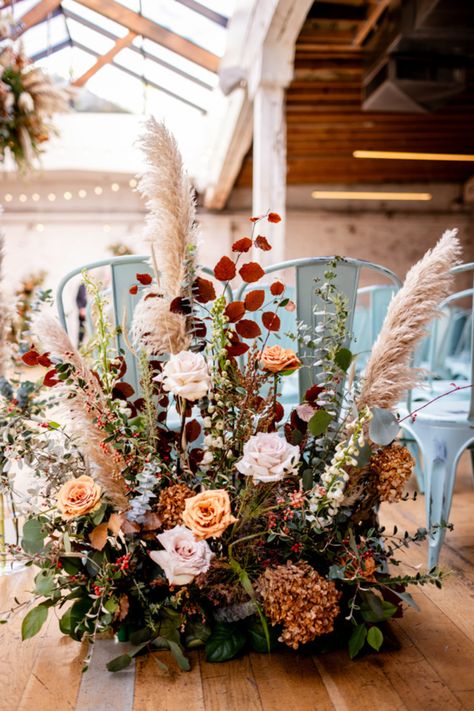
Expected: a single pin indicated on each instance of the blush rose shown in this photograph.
(267, 457)
(183, 557)
(275, 359)
(186, 375)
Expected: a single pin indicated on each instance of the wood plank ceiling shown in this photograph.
(325, 123)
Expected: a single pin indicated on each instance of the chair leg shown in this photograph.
(414, 450)
(440, 474)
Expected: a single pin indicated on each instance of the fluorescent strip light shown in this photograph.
(353, 195)
(396, 155)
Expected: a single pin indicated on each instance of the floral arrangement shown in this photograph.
(198, 511)
(28, 100)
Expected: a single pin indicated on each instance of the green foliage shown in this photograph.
(357, 640)
(319, 422)
(33, 621)
(383, 427)
(375, 638)
(343, 358)
(225, 642)
(33, 536)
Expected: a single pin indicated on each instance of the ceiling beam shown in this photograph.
(51, 50)
(37, 13)
(143, 26)
(367, 27)
(205, 12)
(146, 55)
(106, 58)
(141, 78)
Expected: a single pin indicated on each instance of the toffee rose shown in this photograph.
(268, 457)
(186, 375)
(208, 514)
(183, 556)
(78, 497)
(275, 359)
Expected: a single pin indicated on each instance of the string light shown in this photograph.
(35, 197)
(67, 195)
(51, 197)
(82, 193)
(133, 183)
(106, 228)
(115, 187)
(98, 190)
(7, 197)
(22, 197)
(39, 227)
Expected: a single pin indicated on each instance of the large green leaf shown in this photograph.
(73, 617)
(177, 653)
(357, 640)
(343, 358)
(383, 427)
(196, 634)
(33, 621)
(319, 422)
(375, 638)
(258, 638)
(225, 642)
(44, 583)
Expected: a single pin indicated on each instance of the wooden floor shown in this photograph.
(434, 669)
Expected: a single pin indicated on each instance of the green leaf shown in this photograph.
(196, 634)
(33, 621)
(33, 536)
(375, 638)
(387, 610)
(357, 640)
(343, 358)
(71, 619)
(177, 653)
(406, 597)
(319, 422)
(307, 479)
(44, 583)
(383, 427)
(119, 663)
(98, 516)
(71, 565)
(261, 640)
(225, 642)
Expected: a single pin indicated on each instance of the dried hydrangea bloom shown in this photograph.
(171, 505)
(297, 597)
(393, 466)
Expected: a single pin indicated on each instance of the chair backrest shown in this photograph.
(309, 272)
(459, 325)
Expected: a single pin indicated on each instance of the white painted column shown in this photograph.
(269, 164)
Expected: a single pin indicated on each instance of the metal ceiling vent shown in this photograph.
(420, 57)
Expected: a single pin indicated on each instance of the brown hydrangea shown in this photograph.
(297, 597)
(171, 505)
(393, 466)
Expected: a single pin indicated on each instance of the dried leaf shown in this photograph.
(248, 329)
(250, 272)
(31, 357)
(271, 321)
(277, 287)
(50, 379)
(44, 360)
(144, 279)
(234, 311)
(151, 521)
(236, 347)
(273, 217)
(242, 245)
(124, 607)
(193, 430)
(203, 290)
(180, 305)
(262, 243)
(122, 391)
(98, 536)
(133, 289)
(115, 523)
(254, 299)
(224, 269)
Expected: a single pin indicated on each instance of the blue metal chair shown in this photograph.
(306, 272)
(442, 431)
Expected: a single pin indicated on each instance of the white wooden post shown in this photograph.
(269, 164)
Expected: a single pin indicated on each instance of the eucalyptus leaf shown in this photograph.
(375, 638)
(383, 427)
(44, 583)
(319, 422)
(343, 358)
(177, 653)
(33, 536)
(119, 663)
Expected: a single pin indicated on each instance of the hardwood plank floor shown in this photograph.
(433, 669)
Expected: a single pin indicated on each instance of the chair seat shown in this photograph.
(446, 411)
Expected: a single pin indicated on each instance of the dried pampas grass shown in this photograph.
(3, 314)
(83, 405)
(389, 373)
(171, 233)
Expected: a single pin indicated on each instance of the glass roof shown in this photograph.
(144, 76)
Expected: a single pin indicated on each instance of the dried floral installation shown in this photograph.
(202, 510)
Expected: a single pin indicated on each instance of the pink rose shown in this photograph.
(183, 556)
(186, 375)
(268, 457)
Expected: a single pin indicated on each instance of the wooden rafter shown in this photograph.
(370, 23)
(138, 50)
(37, 13)
(149, 29)
(149, 82)
(106, 58)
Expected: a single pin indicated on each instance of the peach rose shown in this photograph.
(208, 514)
(78, 497)
(275, 359)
